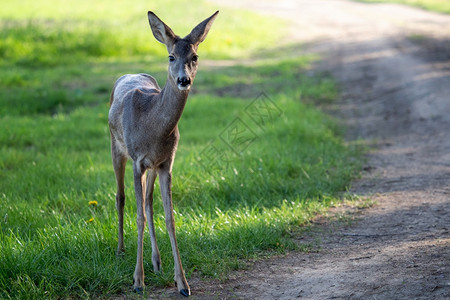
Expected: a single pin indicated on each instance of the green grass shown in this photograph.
(231, 203)
(442, 6)
(49, 33)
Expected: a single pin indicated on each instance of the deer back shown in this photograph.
(136, 122)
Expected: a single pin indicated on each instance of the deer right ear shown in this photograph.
(199, 33)
(161, 31)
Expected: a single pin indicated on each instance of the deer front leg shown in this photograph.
(156, 258)
(139, 187)
(165, 182)
(119, 163)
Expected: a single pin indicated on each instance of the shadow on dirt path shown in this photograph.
(393, 63)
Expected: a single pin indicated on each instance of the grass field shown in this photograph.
(442, 6)
(233, 200)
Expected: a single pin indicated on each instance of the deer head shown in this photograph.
(183, 58)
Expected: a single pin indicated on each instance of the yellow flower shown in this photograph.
(93, 203)
(90, 220)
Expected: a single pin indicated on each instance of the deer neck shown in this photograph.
(172, 103)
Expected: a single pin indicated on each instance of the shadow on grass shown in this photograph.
(293, 167)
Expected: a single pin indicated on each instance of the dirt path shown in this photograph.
(396, 92)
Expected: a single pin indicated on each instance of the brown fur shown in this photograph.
(111, 98)
(143, 121)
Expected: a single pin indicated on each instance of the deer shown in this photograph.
(143, 122)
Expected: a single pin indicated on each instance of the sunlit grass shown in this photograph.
(54, 166)
(442, 6)
(51, 232)
(58, 224)
(49, 32)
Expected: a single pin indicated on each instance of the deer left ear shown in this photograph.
(199, 33)
(161, 31)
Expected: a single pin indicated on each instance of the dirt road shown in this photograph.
(393, 63)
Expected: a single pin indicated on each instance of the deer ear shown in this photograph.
(199, 33)
(161, 31)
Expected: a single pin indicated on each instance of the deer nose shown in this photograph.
(183, 81)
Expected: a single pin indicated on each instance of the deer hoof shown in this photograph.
(138, 288)
(185, 292)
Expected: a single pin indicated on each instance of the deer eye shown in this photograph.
(195, 58)
(171, 58)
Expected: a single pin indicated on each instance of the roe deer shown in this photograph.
(143, 121)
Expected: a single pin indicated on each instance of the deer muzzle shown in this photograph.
(183, 83)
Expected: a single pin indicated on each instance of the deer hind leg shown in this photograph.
(156, 257)
(165, 182)
(119, 163)
(139, 187)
